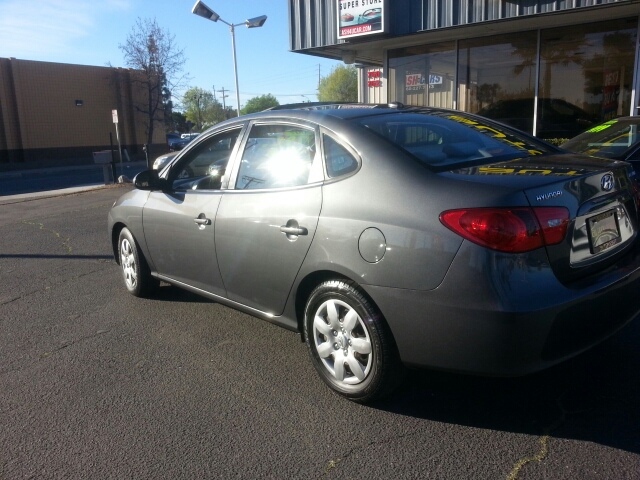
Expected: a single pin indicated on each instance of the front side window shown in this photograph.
(204, 166)
(277, 156)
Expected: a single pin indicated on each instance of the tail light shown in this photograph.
(512, 230)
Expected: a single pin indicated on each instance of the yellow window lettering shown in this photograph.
(516, 144)
(497, 134)
(536, 171)
(496, 170)
(462, 120)
(604, 126)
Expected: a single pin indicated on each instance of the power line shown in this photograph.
(279, 94)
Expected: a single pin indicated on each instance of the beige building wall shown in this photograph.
(58, 114)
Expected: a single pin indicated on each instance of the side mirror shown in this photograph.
(149, 180)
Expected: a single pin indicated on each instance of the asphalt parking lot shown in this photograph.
(98, 384)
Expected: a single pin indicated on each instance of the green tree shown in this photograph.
(341, 85)
(202, 108)
(153, 53)
(258, 104)
(178, 122)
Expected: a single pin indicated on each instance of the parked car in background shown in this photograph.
(172, 137)
(618, 139)
(184, 140)
(392, 236)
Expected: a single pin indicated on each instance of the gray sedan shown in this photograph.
(390, 236)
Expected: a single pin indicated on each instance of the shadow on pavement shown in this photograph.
(594, 397)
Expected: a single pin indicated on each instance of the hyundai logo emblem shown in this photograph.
(607, 182)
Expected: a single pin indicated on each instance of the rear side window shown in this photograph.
(338, 159)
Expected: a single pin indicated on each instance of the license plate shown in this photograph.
(603, 231)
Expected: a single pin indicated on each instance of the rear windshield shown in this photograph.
(445, 139)
(610, 139)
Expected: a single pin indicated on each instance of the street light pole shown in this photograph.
(235, 64)
(203, 11)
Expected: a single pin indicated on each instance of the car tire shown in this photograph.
(350, 343)
(135, 270)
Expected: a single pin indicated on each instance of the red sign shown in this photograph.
(374, 78)
(414, 80)
(610, 94)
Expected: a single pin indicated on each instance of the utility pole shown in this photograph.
(224, 106)
(318, 76)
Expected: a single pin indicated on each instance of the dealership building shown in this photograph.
(550, 67)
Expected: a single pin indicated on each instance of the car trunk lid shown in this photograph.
(603, 204)
(600, 195)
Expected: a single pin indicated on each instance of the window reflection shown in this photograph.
(585, 76)
(424, 75)
(276, 156)
(589, 67)
(497, 77)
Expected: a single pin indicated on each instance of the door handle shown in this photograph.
(293, 230)
(202, 221)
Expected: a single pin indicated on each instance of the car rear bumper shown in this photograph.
(517, 320)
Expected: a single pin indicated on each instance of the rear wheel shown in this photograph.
(350, 344)
(135, 270)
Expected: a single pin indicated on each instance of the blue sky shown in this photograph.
(88, 33)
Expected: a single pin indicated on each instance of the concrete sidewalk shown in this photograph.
(67, 168)
(41, 175)
(23, 197)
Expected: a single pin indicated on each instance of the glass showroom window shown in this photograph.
(586, 76)
(497, 77)
(423, 75)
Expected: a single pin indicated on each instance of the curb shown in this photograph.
(27, 197)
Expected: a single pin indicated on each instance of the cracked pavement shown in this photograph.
(95, 383)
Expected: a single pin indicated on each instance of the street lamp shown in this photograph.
(203, 11)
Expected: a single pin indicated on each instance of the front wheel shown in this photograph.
(135, 271)
(350, 343)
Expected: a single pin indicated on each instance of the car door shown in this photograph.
(266, 222)
(179, 222)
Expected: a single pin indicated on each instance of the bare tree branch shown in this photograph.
(153, 52)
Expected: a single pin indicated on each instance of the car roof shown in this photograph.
(344, 111)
